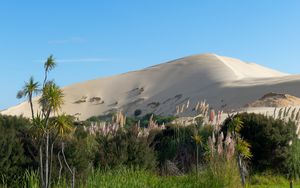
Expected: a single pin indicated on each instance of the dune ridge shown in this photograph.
(225, 83)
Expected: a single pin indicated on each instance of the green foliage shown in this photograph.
(267, 179)
(176, 144)
(293, 159)
(127, 160)
(159, 119)
(205, 131)
(30, 179)
(129, 177)
(268, 138)
(125, 148)
(79, 156)
(222, 172)
(244, 148)
(11, 155)
(14, 156)
(79, 148)
(52, 98)
(62, 125)
(30, 88)
(235, 125)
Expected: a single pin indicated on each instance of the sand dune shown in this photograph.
(225, 83)
(275, 100)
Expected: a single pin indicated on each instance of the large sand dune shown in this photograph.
(225, 83)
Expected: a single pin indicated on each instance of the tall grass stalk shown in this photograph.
(31, 180)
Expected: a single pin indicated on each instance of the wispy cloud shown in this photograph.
(71, 40)
(83, 60)
(79, 60)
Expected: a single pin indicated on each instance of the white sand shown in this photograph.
(225, 83)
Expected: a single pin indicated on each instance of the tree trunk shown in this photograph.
(240, 164)
(60, 166)
(41, 167)
(65, 160)
(31, 107)
(45, 79)
(47, 161)
(64, 157)
(73, 178)
(197, 160)
(51, 159)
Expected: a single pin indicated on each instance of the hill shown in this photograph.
(225, 83)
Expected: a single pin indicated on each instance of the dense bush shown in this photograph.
(269, 139)
(171, 149)
(159, 119)
(175, 144)
(124, 149)
(79, 148)
(130, 121)
(14, 155)
(11, 155)
(19, 152)
(292, 162)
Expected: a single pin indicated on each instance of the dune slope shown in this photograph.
(225, 83)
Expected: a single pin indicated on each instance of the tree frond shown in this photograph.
(243, 147)
(63, 124)
(52, 97)
(50, 63)
(235, 125)
(31, 87)
(20, 94)
(197, 139)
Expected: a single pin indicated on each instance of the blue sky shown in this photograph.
(92, 39)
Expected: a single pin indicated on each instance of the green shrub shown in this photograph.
(221, 172)
(124, 149)
(79, 150)
(292, 162)
(13, 160)
(159, 119)
(269, 139)
(175, 144)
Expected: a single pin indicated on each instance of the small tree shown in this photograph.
(50, 103)
(198, 141)
(30, 88)
(242, 147)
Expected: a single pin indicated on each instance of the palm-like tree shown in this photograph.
(63, 124)
(51, 99)
(243, 147)
(198, 141)
(30, 88)
(48, 66)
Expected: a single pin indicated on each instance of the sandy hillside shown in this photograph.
(225, 83)
(275, 100)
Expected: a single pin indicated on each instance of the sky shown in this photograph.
(92, 39)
